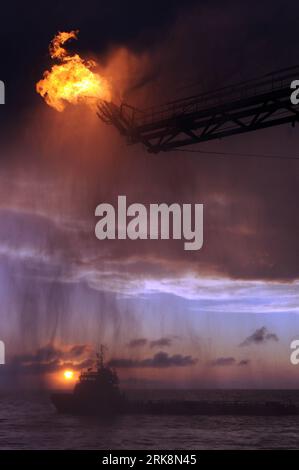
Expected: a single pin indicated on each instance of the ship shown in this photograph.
(97, 393)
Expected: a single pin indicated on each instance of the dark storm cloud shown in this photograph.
(244, 362)
(49, 359)
(109, 21)
(228, 361)
(33, 234)
(78, 350)
(137, 343)
(161, 343)
(223, 361)
(159, 360)
(260, 336)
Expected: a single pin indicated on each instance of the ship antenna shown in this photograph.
(100, 356)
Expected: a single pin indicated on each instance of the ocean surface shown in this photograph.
(29, 421)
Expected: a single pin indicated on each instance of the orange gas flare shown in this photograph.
(73, 80)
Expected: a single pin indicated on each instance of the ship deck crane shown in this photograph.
(244, 107)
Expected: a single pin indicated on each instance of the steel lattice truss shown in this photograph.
(244, 107)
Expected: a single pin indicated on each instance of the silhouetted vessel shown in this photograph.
(97, 393)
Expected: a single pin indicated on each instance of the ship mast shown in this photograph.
(100, 357)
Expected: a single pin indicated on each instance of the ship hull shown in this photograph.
(70, 404)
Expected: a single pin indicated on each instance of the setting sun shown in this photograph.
(68, 374)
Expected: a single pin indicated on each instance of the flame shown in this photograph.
(72, 80)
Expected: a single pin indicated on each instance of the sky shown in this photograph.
(221, 317)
